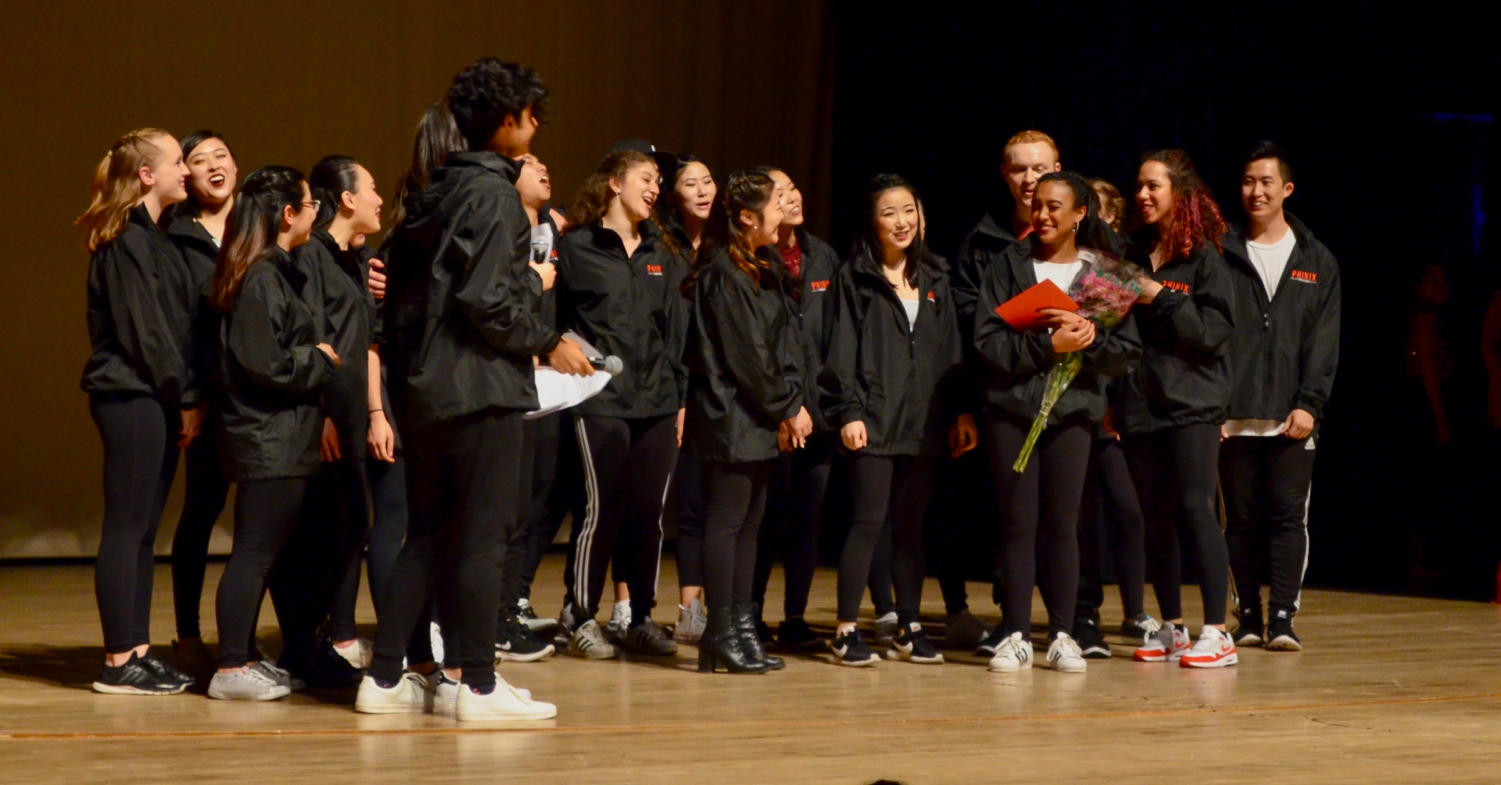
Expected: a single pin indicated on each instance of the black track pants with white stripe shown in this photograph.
(1266, 480)
(627, 466)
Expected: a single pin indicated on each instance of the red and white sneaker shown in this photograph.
(1163, 642)
(1213, 649)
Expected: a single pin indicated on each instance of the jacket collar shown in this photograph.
(187, 226)
(990, 227)
(287, 266)
(1235, 239)
(140, 215)
(485, 159)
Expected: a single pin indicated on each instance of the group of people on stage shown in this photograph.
(370, 398)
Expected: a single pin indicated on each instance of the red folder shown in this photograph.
(1022, 311)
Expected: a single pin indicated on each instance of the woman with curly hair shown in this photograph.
(1169, 412)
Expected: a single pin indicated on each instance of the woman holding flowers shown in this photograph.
(1169, 413)
(1061, 370)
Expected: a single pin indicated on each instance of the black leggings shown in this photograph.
(1040, 513)
(794, 514)
(1266, 481)
(627, 466)
(140, 458)
(555, 489)
(687, 500)
(463, 480)
(266, 512)
(882, 485)
(1176, 471)
(734, 503)
(1110, 505)
(206, 487)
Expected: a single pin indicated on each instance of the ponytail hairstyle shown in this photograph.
(1195, 220)
(117, 185)
(593, 198)
(869, 242)
(744, 189)
(437, 135)
(1092, 232)
(252, 227)
(330, 178)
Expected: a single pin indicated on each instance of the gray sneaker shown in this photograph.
(885, 628)
(246, 684)
(620, 621)
(588, 641)
(280, 676)
(691, 622)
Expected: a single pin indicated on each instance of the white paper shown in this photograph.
(557, 391)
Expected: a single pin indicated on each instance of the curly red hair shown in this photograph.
(1196, 218)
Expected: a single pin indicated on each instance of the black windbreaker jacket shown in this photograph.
(1184, 378)
(140, 298)
(201, 254)
(811, 304)
(631, 307)
(905, 383)
(344, 312)
(461, 312)
(744, 378)
(1284, 352)
(983, 248)
(1018, 362)
(271, 423)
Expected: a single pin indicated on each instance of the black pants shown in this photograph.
(1266, 483)
(794, 514)
(627, 466)
(140, 458)
(388, 507)
(1176, 471)
(553, 487)
(882, 486)
(266, 512)
(960, 524)
(205, 490)
(734, 504)
(316, 560)
(463, 484)
(1039, 519)
(1110, 519)
(686, 499)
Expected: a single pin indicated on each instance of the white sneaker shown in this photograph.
(589, 642)
(1213, 649)
(1164, 642)
(620, 621)
(504, 702)
(410, 694)
(691, 622)
(445, 693)
(1014, 654)
(1064, 655)
(357, 654)
(246, 684)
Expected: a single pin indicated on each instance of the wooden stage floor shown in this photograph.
(1390, 689)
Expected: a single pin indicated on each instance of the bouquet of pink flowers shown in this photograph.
(1104, 290)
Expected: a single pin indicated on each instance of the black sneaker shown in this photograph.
(324, 668)
(1279, 632)
(514, 642)
(135, 678)
(850, 650)
(794, 634)
(647, 638)
(165, 672)
(1138, 627)
(1091, 641)
(1250, 631)
(910, 643)
(542, 628)
(989, 643)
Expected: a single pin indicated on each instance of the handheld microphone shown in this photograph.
(611, 364)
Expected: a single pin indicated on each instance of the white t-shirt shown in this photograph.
(1062, 275)
(910, 306)
(1270, 261)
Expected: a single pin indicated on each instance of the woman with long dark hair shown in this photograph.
(140, 298)
(891, 386)
(1043, 501)
(274, 367)
(1170, 411)
(618, 290)
(196, 227)
(743, 401)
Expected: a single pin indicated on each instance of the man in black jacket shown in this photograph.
(461, 328)
(1284, 353)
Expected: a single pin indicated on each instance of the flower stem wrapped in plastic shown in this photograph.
(1104, 290)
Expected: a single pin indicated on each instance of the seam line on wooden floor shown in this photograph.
(721, 727)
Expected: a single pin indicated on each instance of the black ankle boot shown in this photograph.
(750, 639)
(720, 646)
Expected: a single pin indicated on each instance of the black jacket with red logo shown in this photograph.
(906, 383)
(629, 306)
(1286, 349)
(811, 304)
(1184, 376)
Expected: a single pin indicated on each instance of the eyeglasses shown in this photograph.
(313, 203)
